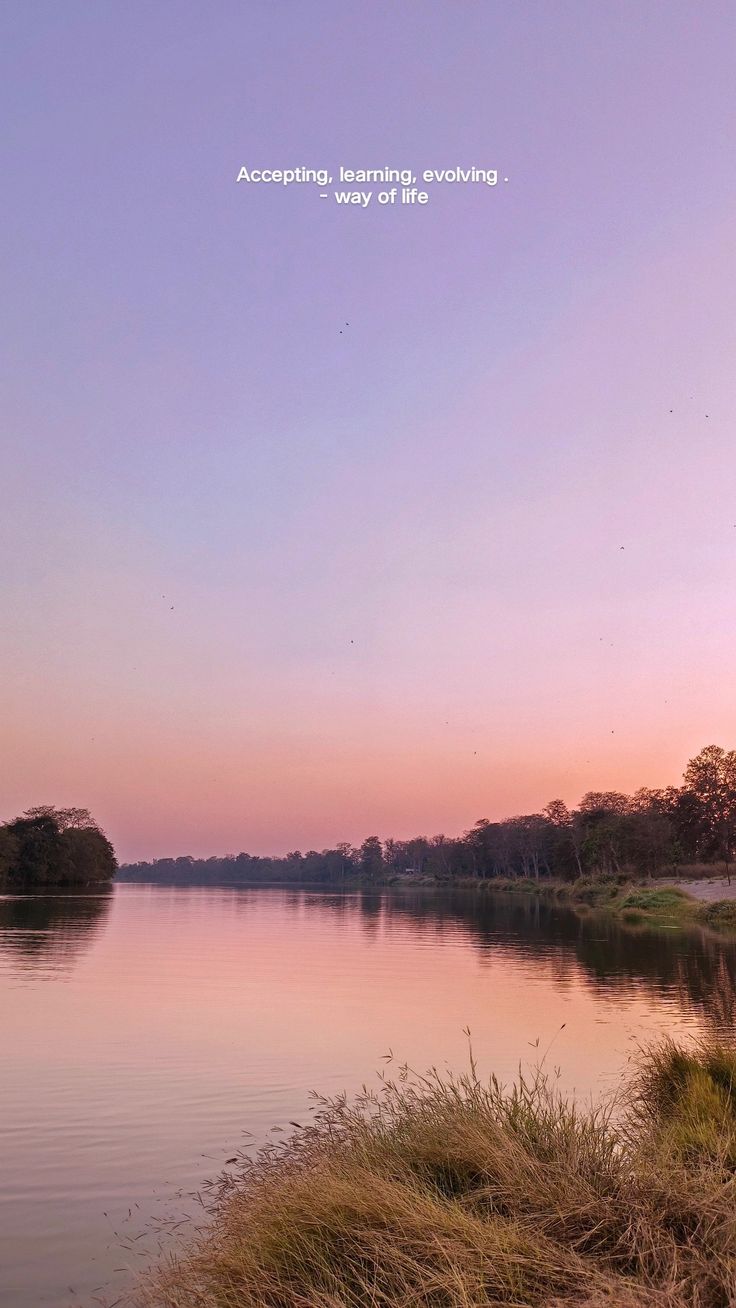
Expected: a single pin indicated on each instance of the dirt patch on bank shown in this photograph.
(708, 890)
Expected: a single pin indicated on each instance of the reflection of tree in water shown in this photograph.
(39, 931)
(694, 969)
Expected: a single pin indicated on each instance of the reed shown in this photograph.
(457, 1193)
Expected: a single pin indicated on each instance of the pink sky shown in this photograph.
(266, 586)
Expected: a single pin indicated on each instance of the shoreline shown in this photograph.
(683, 902)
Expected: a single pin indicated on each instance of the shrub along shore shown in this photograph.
(455, 1193)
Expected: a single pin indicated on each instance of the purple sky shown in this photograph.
(393, 555)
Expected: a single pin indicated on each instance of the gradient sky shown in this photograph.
(400, 601)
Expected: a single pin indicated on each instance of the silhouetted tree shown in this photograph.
(371, 857)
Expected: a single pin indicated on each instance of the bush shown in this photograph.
(596, 890)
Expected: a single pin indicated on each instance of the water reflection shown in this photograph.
(50, 932)
(695, 966)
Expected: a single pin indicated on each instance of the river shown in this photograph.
(149, 1034)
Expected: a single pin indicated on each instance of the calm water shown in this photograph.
(145, 1032)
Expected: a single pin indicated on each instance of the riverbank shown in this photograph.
(708, 904)
(452, 1193)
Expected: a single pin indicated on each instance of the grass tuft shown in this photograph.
(720, 914)
(654, 901)
(452, 1193)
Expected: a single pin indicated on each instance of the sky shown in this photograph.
(269, 581)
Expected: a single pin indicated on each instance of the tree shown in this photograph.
(711, 778)
(528, 835)
(50, 846)
(603, 817)
(651, 842)
(371, 857)
(564, 839)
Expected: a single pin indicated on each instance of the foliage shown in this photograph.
(48, 846)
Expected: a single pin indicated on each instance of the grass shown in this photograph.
(667, 899)
(720, 914)
(676, 906)
(452, 1193)
(666, 902)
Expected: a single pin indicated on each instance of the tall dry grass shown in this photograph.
(452, 1193)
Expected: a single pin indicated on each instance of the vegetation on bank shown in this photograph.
(453, 1193)
(676, 906)
(633, 903)
(55, 847)
(645, 834)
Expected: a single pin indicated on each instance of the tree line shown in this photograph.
(50, 846)
(608, 833)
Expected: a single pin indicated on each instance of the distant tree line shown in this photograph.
(648, 833)
(50, 846)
